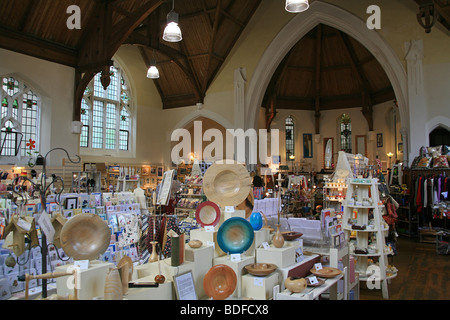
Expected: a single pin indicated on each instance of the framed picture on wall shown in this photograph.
(379, 140)
(307, 145)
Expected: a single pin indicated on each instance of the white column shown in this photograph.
(418, 136)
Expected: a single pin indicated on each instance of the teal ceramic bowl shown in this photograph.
(235, 235)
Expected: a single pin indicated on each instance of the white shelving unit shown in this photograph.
(363, 216)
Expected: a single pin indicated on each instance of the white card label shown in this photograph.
(265, 245)
(25, 225)
(209, 228)
(258, 282)
(318, 266)
(82, 264)
(210, 244)
(46, 226)
(313, 280)
(235, 257)
(229, 209)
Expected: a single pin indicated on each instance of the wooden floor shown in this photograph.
(422, 274)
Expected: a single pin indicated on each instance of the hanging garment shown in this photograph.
(419, 194)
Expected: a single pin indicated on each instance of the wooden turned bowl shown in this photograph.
(219, 282)
(326, 272)
(295, 285)
(291, 235)
(195, 243)
(85, 236)
(260, 269)
(227, 183)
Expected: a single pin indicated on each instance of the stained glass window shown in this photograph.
(289, 126)
(20, 112)
(346, 133)
(105, 114)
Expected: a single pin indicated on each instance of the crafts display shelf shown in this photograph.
(190, 195)
(334, 194)
(363, 200)
(289, 261)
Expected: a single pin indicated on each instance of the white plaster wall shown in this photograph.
(55, 83)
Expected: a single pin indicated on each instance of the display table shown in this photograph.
(91, 280)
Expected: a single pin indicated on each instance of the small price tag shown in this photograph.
(318, 266)
(235, 257)
(25, 225)
(265, 245)
(210, 244)
(313, 280)
(258, 282)
(209, 228)
(82, 264)
(229, 208)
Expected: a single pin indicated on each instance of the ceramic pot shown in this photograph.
(295, 285)
(278, 239)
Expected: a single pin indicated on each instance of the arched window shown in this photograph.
(20, 113)
(439, 136)
(106, 114)
(346, 133)
(289, 127)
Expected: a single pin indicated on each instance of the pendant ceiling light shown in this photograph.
(172, 32)
(153, 72)
(296, 6)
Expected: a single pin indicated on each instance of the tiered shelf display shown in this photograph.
(365, 228)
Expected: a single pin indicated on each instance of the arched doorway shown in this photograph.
(297, 28)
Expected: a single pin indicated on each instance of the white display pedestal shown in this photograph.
(238, 267)
(259, 288)
(262, 235)
(152, 269)
(164, 291)
(202, 258)
(225, 215)
(281, 257)
(207, 237)
(91, 281)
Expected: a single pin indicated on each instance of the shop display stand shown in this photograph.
(362, 197)
(43, 188)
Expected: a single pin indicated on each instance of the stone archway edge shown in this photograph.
(297, 28)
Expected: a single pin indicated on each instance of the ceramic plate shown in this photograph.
(207, 214)
(219, 282)
(235, 235)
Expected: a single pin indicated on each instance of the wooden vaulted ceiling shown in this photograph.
(345, 74)
(327, 69)
(210, 29)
